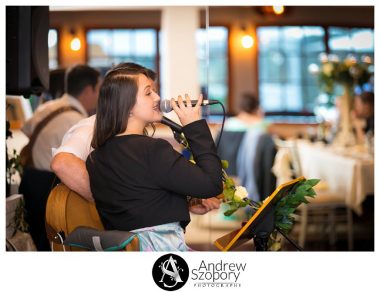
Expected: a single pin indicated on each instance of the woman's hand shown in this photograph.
(187, 113)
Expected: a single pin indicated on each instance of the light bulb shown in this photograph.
(247, 41)
(278, 9)
(75, 44)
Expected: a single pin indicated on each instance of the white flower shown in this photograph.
(241, 192)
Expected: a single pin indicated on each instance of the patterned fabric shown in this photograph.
(165, 237)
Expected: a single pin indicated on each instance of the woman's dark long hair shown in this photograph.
(117, 96)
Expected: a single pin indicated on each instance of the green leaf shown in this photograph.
(285, 211)
(284, 226)
(243, 204)
(224, 164)
(311, 193)
(229, 182)
(230, 212)
(228, 194)
(303, 188)
(313, 182)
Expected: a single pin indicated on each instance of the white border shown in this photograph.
(285, 271)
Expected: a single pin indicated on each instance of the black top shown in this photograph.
(138, 181)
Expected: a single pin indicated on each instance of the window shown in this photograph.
(53, 49)
(285, 53)
(112, 46)
(215, 73)
(108, 47)
(357, 41)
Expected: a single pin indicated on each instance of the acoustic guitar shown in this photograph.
(65, 211)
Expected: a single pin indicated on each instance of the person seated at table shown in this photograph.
(140, 183)
(45, 129)
(249, 148)
(364, 110)
(250, 115)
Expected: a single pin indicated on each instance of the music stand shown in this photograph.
(261, 224)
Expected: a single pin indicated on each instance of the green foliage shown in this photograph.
(347, 73)
(20, 222)
(224, 164)
(230, 199)
(285, 208)
(14, 165)
(235, 205)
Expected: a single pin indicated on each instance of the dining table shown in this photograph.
(347, 171)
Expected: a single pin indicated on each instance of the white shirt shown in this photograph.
(77, 140)
(51, 135)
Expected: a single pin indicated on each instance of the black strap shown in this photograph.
(26, 152)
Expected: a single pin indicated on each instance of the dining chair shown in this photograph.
(327, 209)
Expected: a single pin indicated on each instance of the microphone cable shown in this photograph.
(222, 128)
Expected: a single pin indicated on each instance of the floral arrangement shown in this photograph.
(348, 72)
(236, 197)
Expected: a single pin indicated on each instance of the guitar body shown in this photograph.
(65, 211)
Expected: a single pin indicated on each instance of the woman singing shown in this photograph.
(141, 183)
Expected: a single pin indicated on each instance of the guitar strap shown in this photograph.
(26, 158)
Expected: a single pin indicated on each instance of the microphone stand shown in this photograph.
(292, 242)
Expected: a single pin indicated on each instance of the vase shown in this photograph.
(345, 136)
(325, 110)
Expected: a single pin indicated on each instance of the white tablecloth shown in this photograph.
(347, 172)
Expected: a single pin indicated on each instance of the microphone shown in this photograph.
(173, 125)
(165, 105)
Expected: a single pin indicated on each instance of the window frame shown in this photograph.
(327, 51)
(230, 97)
(156, 28)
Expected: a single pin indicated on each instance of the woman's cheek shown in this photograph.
(157, 116)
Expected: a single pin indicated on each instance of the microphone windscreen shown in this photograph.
(165, 106)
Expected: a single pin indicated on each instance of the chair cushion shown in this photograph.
(99, 240)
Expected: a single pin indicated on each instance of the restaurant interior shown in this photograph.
(299, 77)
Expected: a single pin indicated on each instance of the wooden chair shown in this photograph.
(65, 211)
(324, 209)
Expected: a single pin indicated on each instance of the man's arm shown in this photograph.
(73, 173)
(206, 206)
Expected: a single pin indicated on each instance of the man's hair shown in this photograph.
(249, 103)
(79, 77)
(367, 97)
